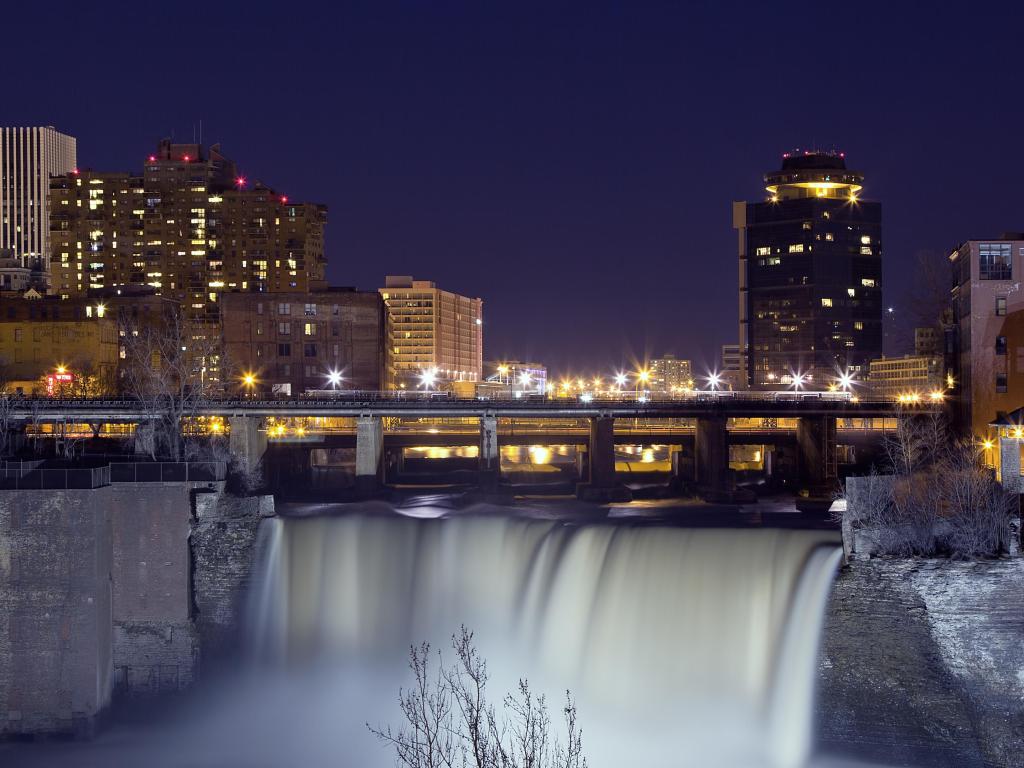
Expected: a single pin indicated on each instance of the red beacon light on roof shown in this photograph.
(284, 199)
(240, 182)
(152, 158)
(75, 171)
(186, 158)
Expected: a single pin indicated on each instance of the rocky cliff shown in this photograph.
(922, 663)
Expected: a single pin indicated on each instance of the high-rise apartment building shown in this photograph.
(810, 275)
(434, 336)
(988, 316)
(669, 374)
(190, 226)
(28, 158)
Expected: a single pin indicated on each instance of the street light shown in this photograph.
(620, 380)
(714, 380)
(427, 377)
(845, 381)
(798, 381)
(249, 381)
(334, 379)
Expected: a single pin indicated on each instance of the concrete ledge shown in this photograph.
(602, 494)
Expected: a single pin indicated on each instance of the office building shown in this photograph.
(435, 337)
(291, 343)
(810, 263)
(190, 226)
(28, 158)
(988, 316)
(913, 376)
(669, 374)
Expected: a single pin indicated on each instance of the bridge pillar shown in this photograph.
(711, 446)
(1009, 464)
(246, 441)
(144, 439)
(369, 449)
(490, 458)
(816, 446)
(681, 459)
(602, 485)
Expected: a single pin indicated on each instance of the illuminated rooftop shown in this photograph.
(816, 173)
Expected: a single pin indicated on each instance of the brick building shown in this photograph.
(292, 343)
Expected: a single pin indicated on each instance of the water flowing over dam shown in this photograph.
(683, 647)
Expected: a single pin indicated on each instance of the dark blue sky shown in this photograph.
(572, 164)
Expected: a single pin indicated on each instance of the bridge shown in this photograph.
(811, 424)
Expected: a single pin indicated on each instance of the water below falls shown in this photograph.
(683, 647)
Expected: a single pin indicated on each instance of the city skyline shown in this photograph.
(422, 160)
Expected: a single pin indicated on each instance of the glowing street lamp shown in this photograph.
(334, 379)
(937, 396)
(845, 381)
(620, 380)
(714, 381)
(249, 381)
(798, 381)
(428, 377)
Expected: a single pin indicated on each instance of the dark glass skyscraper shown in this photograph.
(810, 260)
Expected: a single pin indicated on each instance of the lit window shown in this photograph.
(774, 261)
(865, 250)
(851, 292)
(796, 248)
(807, 225)
(826, 302)
(868, 282)
(764, 250)
(829, 236)
(865, 239)
(858, 326)
(1000, 306)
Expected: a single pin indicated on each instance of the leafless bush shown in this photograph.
(450, 724)
(938, 499)
(977, 510)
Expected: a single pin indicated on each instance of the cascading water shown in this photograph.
(683, 647)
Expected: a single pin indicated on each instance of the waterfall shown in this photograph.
(684, 647)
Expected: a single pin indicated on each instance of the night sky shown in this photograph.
(573, 165)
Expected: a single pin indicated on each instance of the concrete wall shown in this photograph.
(116, 591)
(922, 663)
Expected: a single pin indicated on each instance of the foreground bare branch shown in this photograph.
(449, 721)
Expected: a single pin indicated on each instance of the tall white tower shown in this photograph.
(28, 158)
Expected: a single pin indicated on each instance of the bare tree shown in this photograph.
(168, 371)
(449, 722)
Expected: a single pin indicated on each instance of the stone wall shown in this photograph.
(55, 611)
(115, 591)
(155, 644)
(223, 545)
(922, 663)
